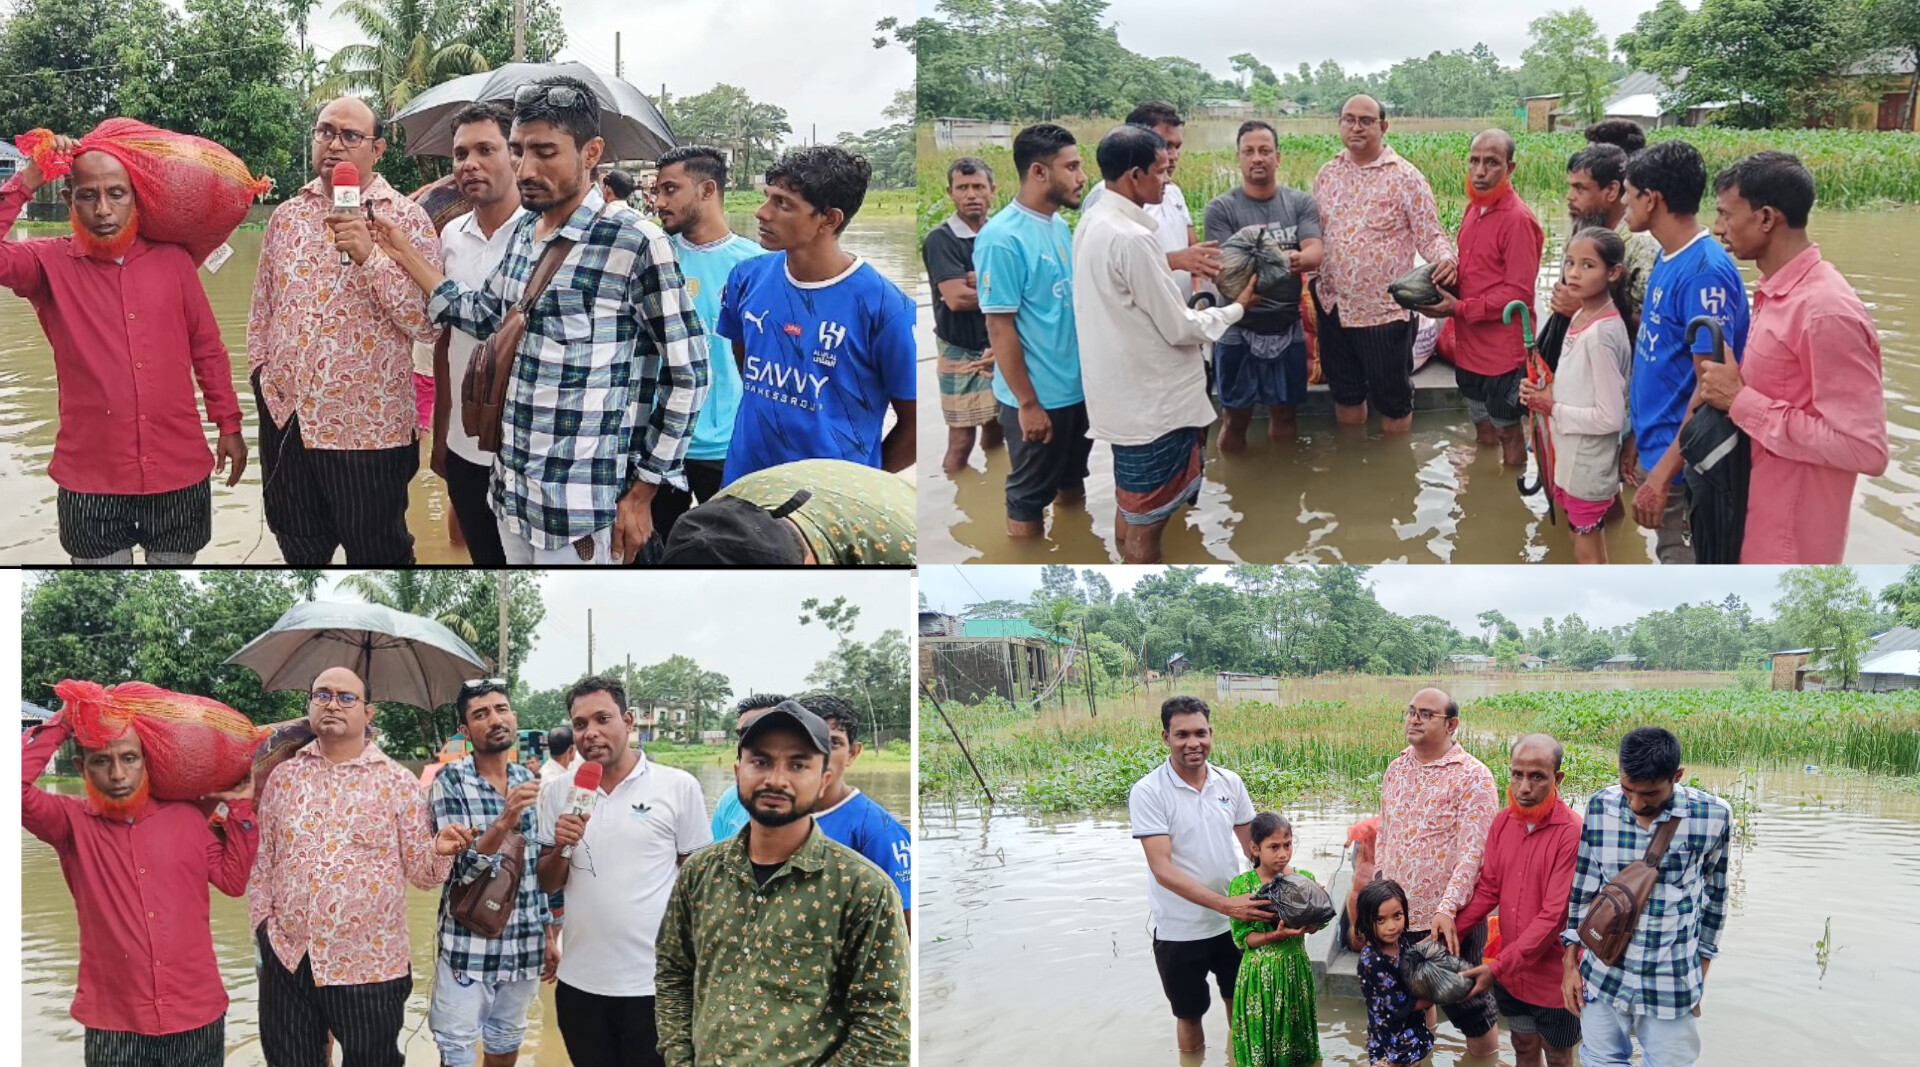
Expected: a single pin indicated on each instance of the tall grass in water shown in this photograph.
(1851, 168)
(1344, 745)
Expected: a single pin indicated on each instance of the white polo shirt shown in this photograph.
(621, 873)
(1173, 215)
(470, 257)
(1200, 823)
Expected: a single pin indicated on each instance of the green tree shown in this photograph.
(1827, 609)
(1783, 61)
(238, 91)
(1507, 653)
(488, 27)
(410, 46)
(889, 148)
(431, 594)
(1902, 598)
(68, 64)
(680, 681)
(478, 602)
(878, 681)
(726, 117)
(1652, 32)
(1573, 55)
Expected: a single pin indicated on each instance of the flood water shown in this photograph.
(1344, 495)
(49, 944)
(29, 414)
(1037, 947)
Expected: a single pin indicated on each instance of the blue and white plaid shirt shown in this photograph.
(1659, 974)
(461, 795)
(609, 379)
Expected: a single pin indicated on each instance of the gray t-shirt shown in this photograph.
(1292, 217)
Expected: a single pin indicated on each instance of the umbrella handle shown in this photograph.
(1712, 326)
(1526, 320)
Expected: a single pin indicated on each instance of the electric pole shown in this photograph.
(519, 31)
(501, 663)
(589, 640)
(619, 68)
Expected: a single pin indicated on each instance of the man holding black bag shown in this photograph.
(489, 970)
(1652, 988)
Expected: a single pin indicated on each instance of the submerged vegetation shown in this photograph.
(1341, 747)
(1851, 168)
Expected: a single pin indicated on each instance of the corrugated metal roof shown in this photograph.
(1006, 628)
(1906, 661)
(1898, 639)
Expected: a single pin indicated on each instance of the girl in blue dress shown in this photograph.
(1397, 1031)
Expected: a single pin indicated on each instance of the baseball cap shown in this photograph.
(790, 712)
(730, 530)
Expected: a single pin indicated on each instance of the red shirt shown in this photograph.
(1529, 877)
(140, 888)
(1499, 259)
(1814, 408)
(129, 341)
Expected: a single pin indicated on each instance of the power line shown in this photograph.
(176, 59)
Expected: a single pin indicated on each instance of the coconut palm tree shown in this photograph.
(431, 594)
(411, 46)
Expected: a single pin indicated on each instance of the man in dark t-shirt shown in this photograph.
(1263, 358)
(965, 364)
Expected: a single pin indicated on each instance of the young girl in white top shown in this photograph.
(1587, 400)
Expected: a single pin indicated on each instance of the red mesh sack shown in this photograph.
(194, 746)
(192, 192)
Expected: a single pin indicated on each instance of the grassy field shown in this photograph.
(1341, 744)
(879, 203)
(1851, 168)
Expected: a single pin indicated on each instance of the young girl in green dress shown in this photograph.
(1273, 1021)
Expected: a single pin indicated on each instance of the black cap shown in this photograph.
(729, 530)
(794, 713)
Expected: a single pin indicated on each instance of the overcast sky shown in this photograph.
(815, 58)
(1603, 596)
(744, 624)
(1365, 36)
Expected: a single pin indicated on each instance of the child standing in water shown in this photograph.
(1587, 400)
(1397, 1032)
(1273, 1020)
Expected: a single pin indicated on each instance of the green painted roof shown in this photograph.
(1006, 628)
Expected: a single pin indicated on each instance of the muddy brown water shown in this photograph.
(29, 414)
(1037, 948)
(1343, 495)
(49, 947)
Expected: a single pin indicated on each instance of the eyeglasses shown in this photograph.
(322, 697)
(1365, 122)
(1425, 714)
(475, 683)
(555, 96)
(325, 134)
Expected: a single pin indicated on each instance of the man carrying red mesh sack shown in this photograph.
(138, 866)
(132, 333)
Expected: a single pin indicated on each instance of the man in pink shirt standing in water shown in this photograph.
(1809, 392)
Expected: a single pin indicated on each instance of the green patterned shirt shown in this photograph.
(810, 969)
(857, 514)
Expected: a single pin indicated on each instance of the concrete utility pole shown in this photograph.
(589, 640)
(519, 31)
(501, 664)
(619, 68)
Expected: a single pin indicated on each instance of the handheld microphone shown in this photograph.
(346, 195)
(586, 786)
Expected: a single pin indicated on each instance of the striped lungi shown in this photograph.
(966, 396)
(1151, 481)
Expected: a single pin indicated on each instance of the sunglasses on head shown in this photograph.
(555, 96)
(473, 683)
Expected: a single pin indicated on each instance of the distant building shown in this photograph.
(1008, 658)
(1229, 685)
(1623, 662)
(962, 134)
(1635, 97)
(1469, 663)
(1531, 662)
(1892, 663)
(1177, 664)
(1887, 77)
(12, 160)
(939, 624)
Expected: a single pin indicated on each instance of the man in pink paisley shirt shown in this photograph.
(343, 830)
(1376, 210)
(1437, 803)
(330, 355)
(1808, 392)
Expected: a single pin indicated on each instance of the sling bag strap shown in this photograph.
(1614, 912)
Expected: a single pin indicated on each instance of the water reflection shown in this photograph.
(49, 943)
(1340, 495)
(29, 409)
(1037, 947)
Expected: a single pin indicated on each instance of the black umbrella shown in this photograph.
(633, 127)
(1717, 467)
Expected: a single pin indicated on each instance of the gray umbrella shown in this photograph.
(633, 127)
(403, 658)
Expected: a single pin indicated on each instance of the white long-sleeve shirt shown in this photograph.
(1142, 364)
(1590, 408)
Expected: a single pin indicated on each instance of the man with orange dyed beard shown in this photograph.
(138, 868)
(131, 332)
